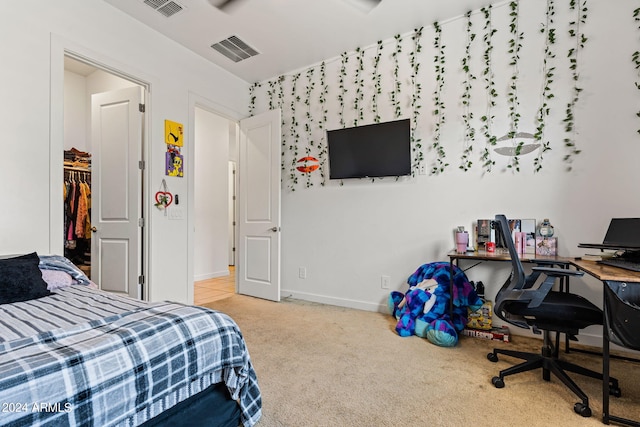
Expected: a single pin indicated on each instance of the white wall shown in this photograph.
(75, 112)
(347, 236)
(211, 188)
(35, 38)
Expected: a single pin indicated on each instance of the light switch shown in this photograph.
(176, 213)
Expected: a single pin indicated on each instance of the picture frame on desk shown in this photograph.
(546, 245)
(485, 232)
(484, 228)
(529, 228)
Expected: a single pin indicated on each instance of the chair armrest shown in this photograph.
(541, 292)
(541, 262)
(549, 271)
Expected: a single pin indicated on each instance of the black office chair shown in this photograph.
(535, 305)
(621, 326)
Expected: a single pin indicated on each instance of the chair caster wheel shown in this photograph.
(582, 409)
(492, 357)
(615, 391)
(497, 382)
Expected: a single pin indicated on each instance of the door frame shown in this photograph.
(61, 47)
(197, 101)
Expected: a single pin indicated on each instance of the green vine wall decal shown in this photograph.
(343, 89)
(467, 114)
(439, 60)
(271, 93)
(515, 43)
(362, 75)
(358, 83)
(492, 93)
(635, 57)
(377, 82)
(322, 123)
(397, 86)
(280, 93)
(293, 132)
(416, 143)
(308, 124)
(252, 98)
(569, 121)
(548, 71)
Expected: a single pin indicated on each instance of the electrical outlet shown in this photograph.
(302, 272)
(384, 282)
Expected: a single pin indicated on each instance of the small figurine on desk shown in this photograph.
(546, 244)
(545, 229)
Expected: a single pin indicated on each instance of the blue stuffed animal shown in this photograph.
(424, 310)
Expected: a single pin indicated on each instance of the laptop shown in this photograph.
(623, 233)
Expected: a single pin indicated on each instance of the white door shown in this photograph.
(258, 268)
(116, 184)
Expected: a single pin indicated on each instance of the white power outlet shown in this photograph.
(384, 282)
(302, 272)
(422, 169)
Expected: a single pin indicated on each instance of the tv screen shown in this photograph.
(376, 150)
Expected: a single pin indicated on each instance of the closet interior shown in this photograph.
(77, 208)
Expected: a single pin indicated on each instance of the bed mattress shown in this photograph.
(85, 357)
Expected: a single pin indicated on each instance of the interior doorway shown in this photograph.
(214, 200)
(114, 260)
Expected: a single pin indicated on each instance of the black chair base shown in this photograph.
(549, 362)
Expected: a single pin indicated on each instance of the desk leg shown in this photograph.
(451, 287)
(605, 370)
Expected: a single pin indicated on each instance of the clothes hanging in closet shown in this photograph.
(77, 208)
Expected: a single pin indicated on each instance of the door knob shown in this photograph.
(94, 229)
(274, 229)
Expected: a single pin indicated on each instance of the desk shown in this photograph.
(503, 255)
(615, 274)
(605, 272)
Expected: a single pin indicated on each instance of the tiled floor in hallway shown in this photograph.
(215, 289)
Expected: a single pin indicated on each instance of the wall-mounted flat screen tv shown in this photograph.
(376, 150)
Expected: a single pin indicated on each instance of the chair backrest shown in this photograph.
(515, 288)
(518, 279)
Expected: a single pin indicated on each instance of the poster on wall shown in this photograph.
(173, 133)
(174, 163)
(173, 137)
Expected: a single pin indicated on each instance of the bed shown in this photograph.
(71, 354)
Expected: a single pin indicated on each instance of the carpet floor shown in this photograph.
(322, 365)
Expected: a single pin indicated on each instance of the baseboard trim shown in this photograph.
(213, 275)
(340, 302)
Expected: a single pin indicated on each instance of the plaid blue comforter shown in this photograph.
(117, 370)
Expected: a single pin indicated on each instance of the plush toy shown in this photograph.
(407, 308)
(425, 309)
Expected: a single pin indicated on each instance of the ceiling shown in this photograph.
(288, 34)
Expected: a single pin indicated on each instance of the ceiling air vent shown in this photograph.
(166, 7)
(235, 49)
